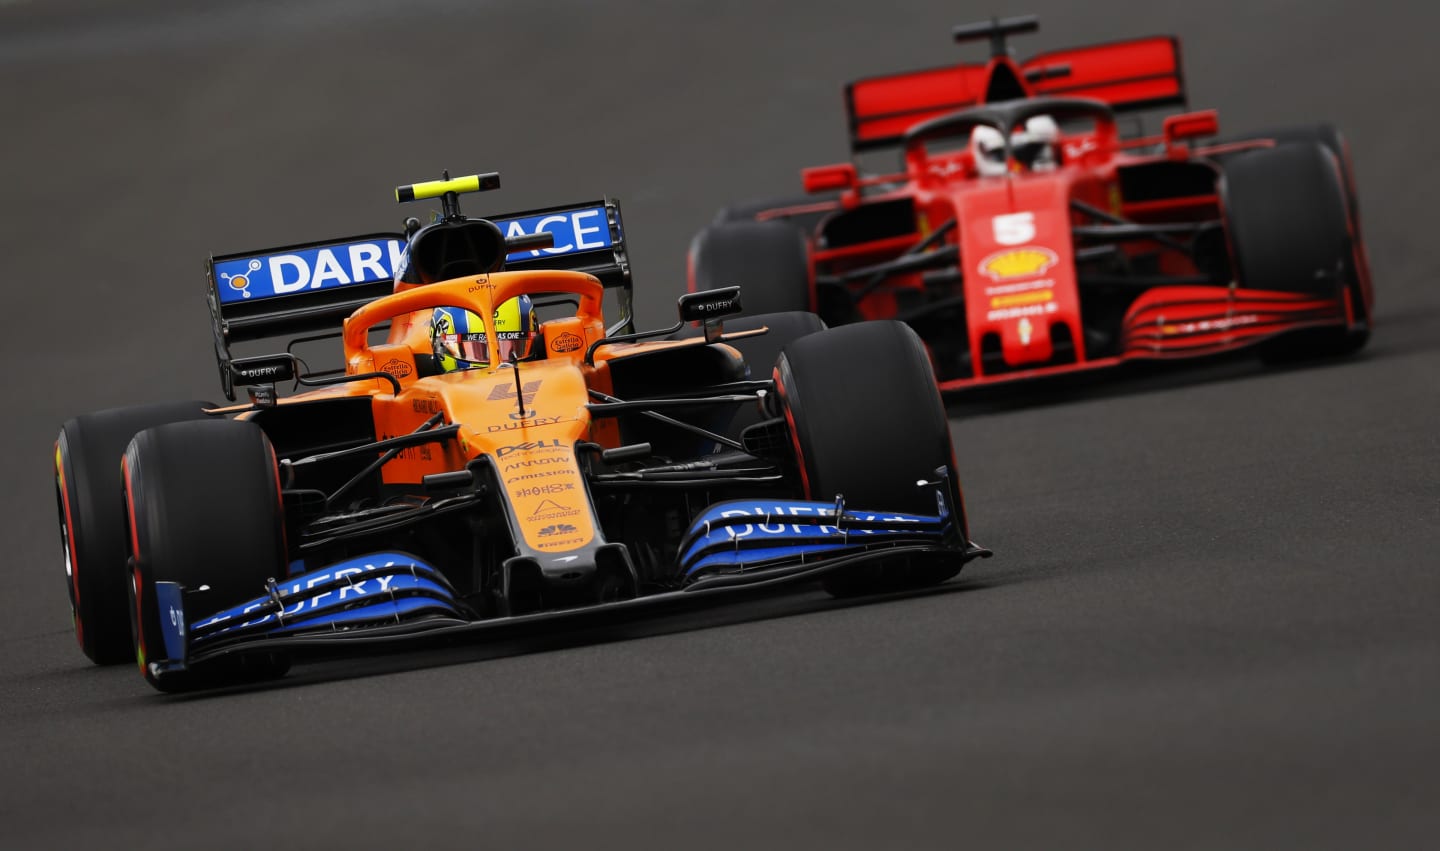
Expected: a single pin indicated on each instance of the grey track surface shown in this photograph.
(1212, 618)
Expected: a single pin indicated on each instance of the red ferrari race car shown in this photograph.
(1025, 234)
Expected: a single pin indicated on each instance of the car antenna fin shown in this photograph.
(519, 388)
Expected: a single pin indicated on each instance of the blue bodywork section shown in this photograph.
(373, 589)
(170, 604)
(318, 267)
(765, 533)
(576, 232)
(347, 263)
(395, 593)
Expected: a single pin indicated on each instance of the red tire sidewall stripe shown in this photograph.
(794, 434)
(70, 541)
(136, 577)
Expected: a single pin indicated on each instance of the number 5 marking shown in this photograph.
(1014, 229)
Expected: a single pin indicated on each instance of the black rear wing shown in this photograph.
(312, 287)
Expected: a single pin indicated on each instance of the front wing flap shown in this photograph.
(390, 596)
(749, 535)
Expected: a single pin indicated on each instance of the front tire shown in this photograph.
(868, 423)
(1328, 137)
(92, 519)
(761, 353)
(204, 506)
(1288, 226)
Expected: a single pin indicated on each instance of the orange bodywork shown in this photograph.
(533, 449)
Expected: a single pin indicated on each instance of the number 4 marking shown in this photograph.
(1015, 228)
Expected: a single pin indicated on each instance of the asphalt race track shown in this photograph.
(1212, 617)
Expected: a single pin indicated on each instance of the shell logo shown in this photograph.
(1018, 263)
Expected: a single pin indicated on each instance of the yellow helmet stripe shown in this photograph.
(507, 316)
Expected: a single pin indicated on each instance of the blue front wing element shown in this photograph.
(169, 602)
(743, 534)
(374, 589)
(736, 541)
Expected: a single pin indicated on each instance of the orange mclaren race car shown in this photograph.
(491, 452)
(1024, 234)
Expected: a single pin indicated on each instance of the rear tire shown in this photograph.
(92, 520)
(1287, 223)
(769, 261)
(869, 431)
(203, 501)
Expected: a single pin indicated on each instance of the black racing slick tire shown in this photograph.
(1287, 221)
(868, 423)
(205, 512)
(92, 520)
(761, 353)
(769, 261)
(1325, 135)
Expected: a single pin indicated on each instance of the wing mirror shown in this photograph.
(707, 306)
(825, 178)
(260, 375)
(265, 369)
(1190, 125)
(710, 307)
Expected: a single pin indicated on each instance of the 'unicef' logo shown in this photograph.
(241, 282)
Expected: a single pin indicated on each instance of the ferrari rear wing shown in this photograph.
(311, 287)
(1132, 75)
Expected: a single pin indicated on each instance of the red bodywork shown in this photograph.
(1029, 294)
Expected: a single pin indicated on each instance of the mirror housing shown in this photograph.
(710, 307)
(707, 306)
(264, 369)
(259, 374)
(825, 178)
(1190, 125)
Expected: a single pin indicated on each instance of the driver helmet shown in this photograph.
(457, 336)
(1033, 147)
(988, 146)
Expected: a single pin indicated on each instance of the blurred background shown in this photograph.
(1211, 619)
